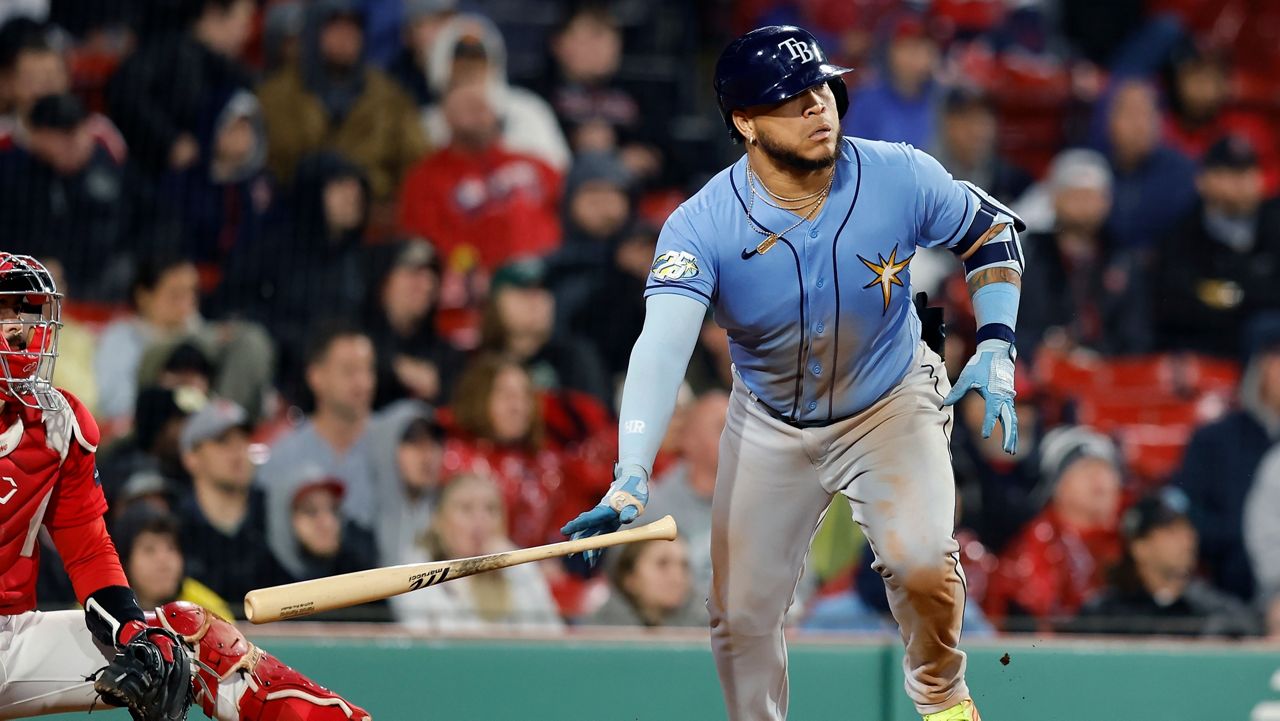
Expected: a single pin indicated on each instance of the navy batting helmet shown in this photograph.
(769, 65)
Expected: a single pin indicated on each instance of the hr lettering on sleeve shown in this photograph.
(633, 427)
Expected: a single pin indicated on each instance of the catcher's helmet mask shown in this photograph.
(28, 298)
(770, 65)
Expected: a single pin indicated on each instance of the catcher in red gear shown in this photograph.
(153, 664)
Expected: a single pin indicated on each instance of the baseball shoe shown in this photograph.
(963, 711)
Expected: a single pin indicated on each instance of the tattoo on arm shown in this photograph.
(987, 276)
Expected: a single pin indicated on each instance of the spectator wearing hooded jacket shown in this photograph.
(221, 200)
(309, 265)
(1057, 562)
(1222, 461)
(480, 202)
(470, 47)
(163, 93)
(414, 360)
(331, 99)
(406, 445)
(306, 530)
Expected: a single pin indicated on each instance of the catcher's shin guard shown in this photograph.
(273, 691)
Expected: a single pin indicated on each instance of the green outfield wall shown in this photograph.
(648, 679)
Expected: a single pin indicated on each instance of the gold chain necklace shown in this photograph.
(772, 238)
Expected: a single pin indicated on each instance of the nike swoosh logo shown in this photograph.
(748, 252)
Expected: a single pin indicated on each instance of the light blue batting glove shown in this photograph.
(623, 503)
(990, 372)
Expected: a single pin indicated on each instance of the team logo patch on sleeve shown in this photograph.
(674, 265)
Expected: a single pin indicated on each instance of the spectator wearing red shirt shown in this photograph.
(479, 201)
(497, 431)
(1052, 567)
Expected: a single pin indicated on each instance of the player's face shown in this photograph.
(11, 325)
(660, 580)
(801, 133)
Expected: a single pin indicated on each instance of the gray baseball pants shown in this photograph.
(892, 462)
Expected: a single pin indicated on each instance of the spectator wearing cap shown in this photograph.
(340, 375)
(66, 197)
(1082, 288)
(414, 360)
(480, 202)
(224, 518)
(165, 91)
(1057, 562)
(1154, 589)
(420, 28)
(1153, 185)
(1221, 463)
(148, 541)
(900, 104)
(407, 446)
(967, 144)
(307, 531)
(519, 322)
(1218, 268)
(470, 48)
(331, 99)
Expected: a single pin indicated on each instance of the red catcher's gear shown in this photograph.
(275, 691)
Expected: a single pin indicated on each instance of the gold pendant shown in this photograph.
(767, 243)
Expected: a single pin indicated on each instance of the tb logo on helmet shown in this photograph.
(799, 50)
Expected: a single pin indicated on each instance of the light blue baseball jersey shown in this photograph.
(821, 324)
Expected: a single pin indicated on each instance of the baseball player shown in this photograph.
(155, 664)
(803, 249)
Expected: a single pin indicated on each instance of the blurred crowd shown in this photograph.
(354, 283)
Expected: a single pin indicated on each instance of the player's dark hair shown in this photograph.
(151, 269)
(325, 335)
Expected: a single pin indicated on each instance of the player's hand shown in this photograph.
(990, 372)
(150, 674)
(623, 503)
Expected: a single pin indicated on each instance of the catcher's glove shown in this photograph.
(150, 675)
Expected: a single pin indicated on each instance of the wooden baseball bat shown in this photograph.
(264, 605)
